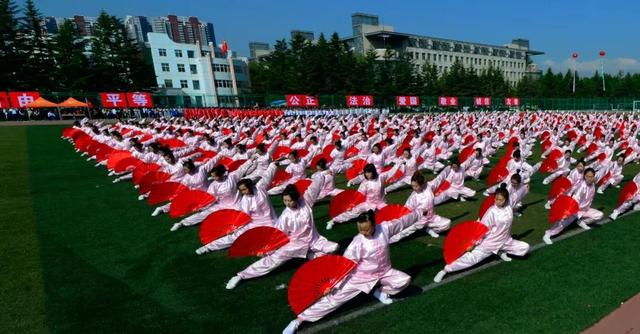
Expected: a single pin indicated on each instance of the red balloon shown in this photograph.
(602, 53)
(574, 55)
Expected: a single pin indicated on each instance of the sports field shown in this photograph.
(80, 254)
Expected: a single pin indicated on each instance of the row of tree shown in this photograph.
(30, 59)
(329, 67)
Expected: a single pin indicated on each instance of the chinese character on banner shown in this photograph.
(407, 100)
(443, 101)
(113, 100)
(512, 101)
(367, 101)
(480, 101)
(311, 101)
(4, 100)
(139, 100)
(21, 99)
(293, 100)
(453, 101)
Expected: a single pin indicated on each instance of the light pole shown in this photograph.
(575, 61)
(602, 54)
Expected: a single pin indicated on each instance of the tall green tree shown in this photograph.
(38, 67)
(71, 72)
(10, 60)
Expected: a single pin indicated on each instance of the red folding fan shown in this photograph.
(629, 191)
(151, 179)
(391, 212)
(127, 164)
(442, 187)
(497, 174)
(562, 208)
(143, 170)
(302, 185)
(486, 204)
(280, 152)
(345, 201)
(559, 186)
(188, 201)
(356, 169)
(115, 157)
(280, 177)
(163, 192)
(462, 238)
(258, 241)
(466, 153)
(314, 161)
(220, 223)
(316, 278)
(549, 165)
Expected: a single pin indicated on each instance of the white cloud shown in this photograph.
(587, 68)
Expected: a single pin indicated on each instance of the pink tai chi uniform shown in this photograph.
(373, 266)
(226, 192)
(257, 206)
(374, 192)
(583, 194)
(304, 239)
(329, 188)
(497, 240)
(627, 204)
(473, 166)
(457, 190)
(423, 202)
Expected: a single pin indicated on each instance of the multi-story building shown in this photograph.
(197, 72)
(512, 59)
(137, 28)
(183, 29)
(83, 23)
(305, 34)
(258, 49)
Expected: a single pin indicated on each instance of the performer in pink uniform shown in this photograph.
(627, 204)
(329, 188)
(575, 176)
(517, 192)
(615, 177)
(410, 167)
(296, 168)
(296, 221)
(254, 202)
(421, 200)
(474, 164)
(224, 188)
(370, 250)
(455, 175)
(372, 187)
(564, 164)
(497, 241)
(583, 194)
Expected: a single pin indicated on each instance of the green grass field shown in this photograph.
(80, 254)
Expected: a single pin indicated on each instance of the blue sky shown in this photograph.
(556, 27)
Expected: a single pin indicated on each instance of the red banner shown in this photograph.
(359, 100)
(297, 100)
(113, 100)
(21, 99)
(448, 101)
(139, 100)
(4, 101)
(512, 101)
(410, 101)
(482, 101)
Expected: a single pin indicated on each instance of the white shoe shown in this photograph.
(382, 297)
(617, 187)
(548, 206)
(116, 180)
(545, 182)
(330, 224)
(156, 212)
(462, 199)
(136, 186)
(505, 257)
(486, 193)
(233, 282)
(176, 226)
(600, 191)
(292, 327)
(111, 173)
(584, 226)
(614, 215)
(202, 250)
(517, 214)
(636, 207)
(432, 233)
(140, 198)
(439, 276)
(547, 239)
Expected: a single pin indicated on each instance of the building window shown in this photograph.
(180, 67)
(165, 67)
(196, 84)
(190, 54)
(439, 57)
(168, 83)
(193, 69)
(162, 52)
(184, 84)
(223, 83)
(178, 53)
(238, 69)
(220, 68)
(423, 56)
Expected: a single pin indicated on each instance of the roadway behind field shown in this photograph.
(625, 319)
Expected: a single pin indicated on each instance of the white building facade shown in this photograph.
(199, 74)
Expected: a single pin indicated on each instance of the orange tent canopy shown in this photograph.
(72, 103)
(41, 103)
